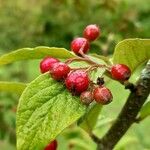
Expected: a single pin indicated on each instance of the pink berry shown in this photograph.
(47, 63)
(51, 146)
(102, 95)
(77, 81)
(91, 32)
(86, 97)
(120, 72)
(59, 71)
(80, 44)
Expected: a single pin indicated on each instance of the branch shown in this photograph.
(129, 112)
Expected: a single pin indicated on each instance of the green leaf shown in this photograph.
(103, 121)
(145, 111)
(81, 144)
(12, 87)
(89, 120)
(45, 109)
(35, 53)
(132, 52)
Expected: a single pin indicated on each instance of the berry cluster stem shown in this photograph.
(68, 61)
(93, 67)
(85, 58)
(128, 113)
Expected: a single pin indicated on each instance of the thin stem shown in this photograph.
(93, 67)
(68, 61)
(83, 68)
(86, 57)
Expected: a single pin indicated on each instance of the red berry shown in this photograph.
(91, 32)
(51, 146)
(80, 44)
(86, 97)
(120, 72)
(59, 71)
(77, 81)
(102, 95)
(47, 63)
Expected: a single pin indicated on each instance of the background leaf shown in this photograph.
(145, 110)
(35, 53)
(45, 109)
(132, 52)
(126, 141)
(12, 87)
(89, 120)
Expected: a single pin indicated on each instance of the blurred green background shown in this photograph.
(55, 23)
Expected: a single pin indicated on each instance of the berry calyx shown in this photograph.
(51, 146)
(102, 95)
(100, 81)
(77, 81)
(47, 63)
(59, 71)
(91, 32)
(80, 44)
(86, 97)
(120, 72)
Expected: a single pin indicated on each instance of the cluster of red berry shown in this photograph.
(77, 80)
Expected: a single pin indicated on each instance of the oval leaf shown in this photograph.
(45, 109)
(89, 120)
(12, 87)
(35, 53)
(126, 141)
(132, 52)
